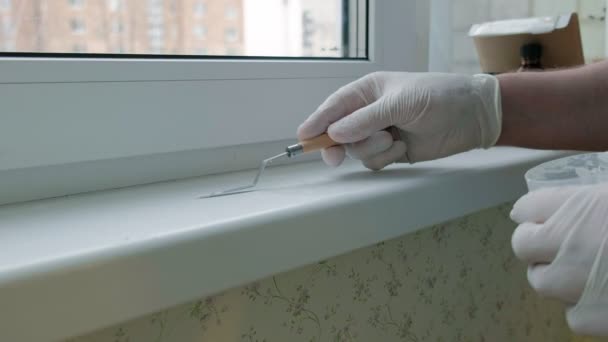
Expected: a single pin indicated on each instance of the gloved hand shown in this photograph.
(431, 115)
(563, 236)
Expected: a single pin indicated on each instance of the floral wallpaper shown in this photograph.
(457, 281)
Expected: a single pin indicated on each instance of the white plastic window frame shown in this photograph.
(64, 113)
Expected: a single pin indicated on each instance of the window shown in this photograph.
(5, 5)
(117, 26)
(76, 3)
(231, 35)
(200, 8)
(144, 106)
(452, 49)
(200, 31)
(231, 12)
(114, 5)
(77, 26)
(79, 48)
(232, 51)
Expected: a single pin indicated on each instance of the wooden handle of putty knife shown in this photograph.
(318, 143)
(310, 145)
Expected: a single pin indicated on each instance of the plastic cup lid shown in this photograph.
(581, 169)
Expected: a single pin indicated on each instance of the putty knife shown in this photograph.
(306, 146)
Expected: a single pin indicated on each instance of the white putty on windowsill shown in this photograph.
(120, 254)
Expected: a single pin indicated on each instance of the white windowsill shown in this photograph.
(74, 264)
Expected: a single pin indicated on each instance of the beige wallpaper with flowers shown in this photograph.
(457, 281)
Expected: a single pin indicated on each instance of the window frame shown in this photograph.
(112, 109)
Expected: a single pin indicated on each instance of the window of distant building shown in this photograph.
(232, 51)
(116, 26)
(231, 12)
(156, 32)
(200, 8)
(5, 5)
(76, 3)
(79, 48)
(201, 51)
(200, 31)
(77, 25)
(114, 5)
(231, 35)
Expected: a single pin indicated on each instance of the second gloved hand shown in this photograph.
(388, 117)
(563, 236)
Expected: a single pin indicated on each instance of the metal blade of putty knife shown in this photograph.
(314, 144)
(244, 188)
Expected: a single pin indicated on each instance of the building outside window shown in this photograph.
(295, 28)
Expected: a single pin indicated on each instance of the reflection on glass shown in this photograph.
(280, 28)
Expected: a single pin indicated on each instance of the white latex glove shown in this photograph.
(562, 235)
(430, 115)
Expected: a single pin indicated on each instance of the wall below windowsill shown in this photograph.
(100, 252)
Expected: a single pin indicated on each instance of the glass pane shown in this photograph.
(274, 28)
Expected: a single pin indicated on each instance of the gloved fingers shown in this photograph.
(360, 124)
(534, 244)
(590, 314)
(343, 102)
(538, 206)
(565, 284)
(393, 154)
(366, 149)
(333, 156)
(588, 320)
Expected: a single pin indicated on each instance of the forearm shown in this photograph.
(565, 109)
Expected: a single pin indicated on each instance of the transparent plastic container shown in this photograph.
(580, 169)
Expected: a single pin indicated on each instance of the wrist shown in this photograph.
(487, 89)
(518, 103)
